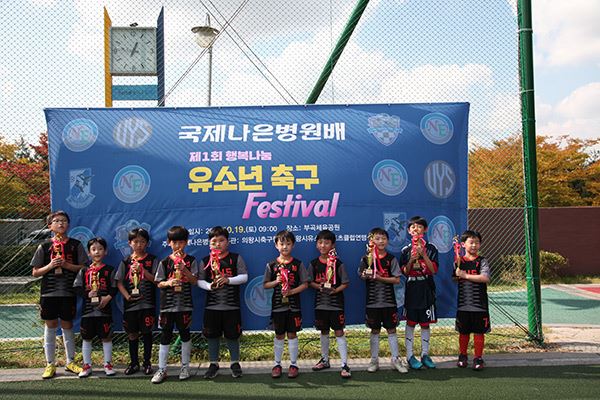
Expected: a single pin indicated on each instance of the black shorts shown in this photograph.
(473, 322)
(329, 319)
(386, 317)
(182, 320)
(421, 316)
(92, 327)
(286, 321)
(58, 307)
(218, 323)
(140, 321)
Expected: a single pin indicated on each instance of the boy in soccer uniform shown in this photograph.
(175, 277)
(329, 301)
(222, 315)
(288, 277)
(96, 284)
(472, 315)
(381, 306)
(419, 264)
(136, 273)
(58, 261)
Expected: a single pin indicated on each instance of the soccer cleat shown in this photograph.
(211, 373)
(373, 366)
(400, 365)
(159, 376)
(463, 361)
(132, 369)
(413, 363)
(321, 365)
(276, 372)
(85, 371)
(108, 369)
(478, 364)
(293, 372)
(148, 369)
(427, 361)
(72, 367)
(345, 372)
(49, 371)
(236, 370)
(184, 373)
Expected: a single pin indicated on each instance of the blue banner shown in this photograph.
(258, 170)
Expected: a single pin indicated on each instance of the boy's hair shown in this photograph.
(470, 234)
(138, 232)
(98, 240)
(417, 220)
(218, 231)
(379, 231)
(326, 234)
(177, 233)
(284, 236)
(51, 216)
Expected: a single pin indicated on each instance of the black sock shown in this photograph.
(147, 348)
(133, 351)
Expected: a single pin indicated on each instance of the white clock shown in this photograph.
(132, 51)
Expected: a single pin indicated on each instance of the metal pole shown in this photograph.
(337, 51)
(209, 64)
(534, 303)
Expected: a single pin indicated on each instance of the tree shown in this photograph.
(568, 173)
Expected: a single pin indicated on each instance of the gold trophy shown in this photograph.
(135, 272)
(57, 251)
(330, 270)
(369, 271)
(178, 261)
(417, 241)
(94, 286)
(456, 243)
(215, 267)
(285, 282)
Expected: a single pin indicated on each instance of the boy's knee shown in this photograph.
(52, 323)
(339, 333)
(292, 335)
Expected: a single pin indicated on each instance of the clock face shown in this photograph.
(132, 51)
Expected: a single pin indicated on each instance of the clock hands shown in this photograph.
(133, 51)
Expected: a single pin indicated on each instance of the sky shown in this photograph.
(402, 51)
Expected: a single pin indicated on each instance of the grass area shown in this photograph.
(28, 295)
(567, 382)
(259, 346)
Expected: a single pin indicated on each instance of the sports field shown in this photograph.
(560, 382)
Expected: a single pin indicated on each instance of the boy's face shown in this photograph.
(472, 245)
(285, 247)
(220, 243)
(59, 224)
(381, 241)
(416, 229)
(177, 245)
(324, 246)
(97, 252)
(138, 245)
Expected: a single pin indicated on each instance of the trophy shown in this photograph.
(417, 241)
(285, 282)
(178, 261)
(457, 258)
(330, 270)
(369, 272)
(215, 267)
(57, 251)
(135, 276)
(94, 286)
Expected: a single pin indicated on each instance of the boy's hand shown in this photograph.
(104, 301)
(461, 274)
(286, 293)
(57, 262)
(222, 281)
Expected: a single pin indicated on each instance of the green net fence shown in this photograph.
(268, 53)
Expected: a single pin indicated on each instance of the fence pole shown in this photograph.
(534, 306)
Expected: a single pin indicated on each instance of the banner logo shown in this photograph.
(395, 224)
(440, 179)
(122, 235)
(385, 128)
(82, 233)
(80, 188)
(131, 184)
(440, 232)
(389, 177)
(80, 134)
(257, 298)
(132, 132)
(437, 128)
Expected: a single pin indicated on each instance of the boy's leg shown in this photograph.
(50, 341)
(49, 313)
(134, 348)
(293, 347)
(184, 321)
(278, 348)
(342, 345)
(324, 339)
(425, 338)
(67, 310)
(478, 343)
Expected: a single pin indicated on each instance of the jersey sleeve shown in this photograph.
(343, 273)
(362, 266)
(311, 272)
(82, 256)
(302, 272)
(195, 268)
(485, 268)
(395, 268)
(120, 274)
(154, 266)
(404, 256)
(160, 273)
(267, 274)
(38, 257)
(78, 282)
(202, 271)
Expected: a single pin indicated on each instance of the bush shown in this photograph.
(512, 267)
(19, 265)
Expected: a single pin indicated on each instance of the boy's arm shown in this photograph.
(344, 278)
(430, 256)
(267, 282)
(112, 291)
(303, 281)
(395, 272)
(37, 263)
(149, 275)
(119, 277)
(78, 284)
(161, 278)
(123, 291)
(192, 273)
(482, 277)
(311, 278)
(242, 274)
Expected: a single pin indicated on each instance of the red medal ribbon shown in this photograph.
(89, 274)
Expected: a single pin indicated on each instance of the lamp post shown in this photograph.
(205, 35)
